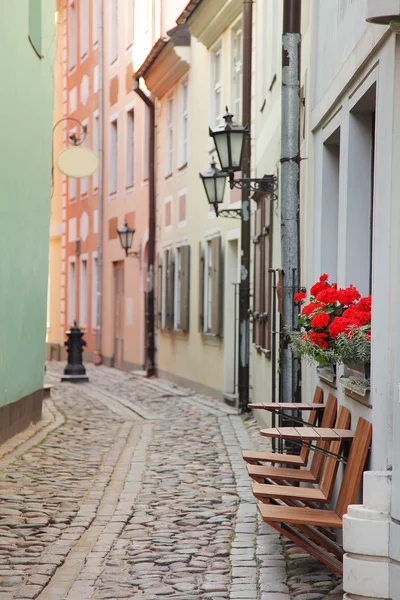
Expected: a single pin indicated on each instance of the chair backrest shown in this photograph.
(318, 398)
(355, 466)
(328, 420)
(331, 464)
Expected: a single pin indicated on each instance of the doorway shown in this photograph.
(119, 314)
(231, 319)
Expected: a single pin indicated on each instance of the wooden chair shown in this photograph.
(312, 475)
(303, 525)
(294, 460)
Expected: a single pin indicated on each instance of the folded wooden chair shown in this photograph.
(303, 525)
(312, 475)
(294, 460)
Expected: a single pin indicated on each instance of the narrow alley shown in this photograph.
(135, 488)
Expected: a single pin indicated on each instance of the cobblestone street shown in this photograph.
(136, 488)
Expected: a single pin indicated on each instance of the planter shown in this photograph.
(357, 372)
(327, 373)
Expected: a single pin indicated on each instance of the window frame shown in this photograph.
(84, 181)
(83, 291)
(114, 31)
(169, 136)
(130, 149)
(113, 164)
(83, 29)
(94, 282)
(35, 21)
(72, 37)
(216, 84)
(96, 147)
(183, 133)
(236, 71)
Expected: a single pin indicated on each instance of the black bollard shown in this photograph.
(75, 371)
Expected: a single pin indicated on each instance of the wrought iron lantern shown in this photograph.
(126, 237)
(229, 140)
(214, 181)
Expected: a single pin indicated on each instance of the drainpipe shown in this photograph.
(97, 356)
(289, 186)
(244, 288)
(150, 342)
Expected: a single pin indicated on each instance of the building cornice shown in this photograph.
(167, 62)
(207, 19)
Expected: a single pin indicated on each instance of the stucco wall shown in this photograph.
(26, 106)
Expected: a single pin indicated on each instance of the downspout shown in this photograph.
(98, 354)
(244, 288)
(290, 187)
(151, 254)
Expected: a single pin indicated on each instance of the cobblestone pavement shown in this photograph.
(136, 489)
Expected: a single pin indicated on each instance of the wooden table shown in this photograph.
(279, 406)
(308, 433)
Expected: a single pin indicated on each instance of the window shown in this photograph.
(182, 286)
(330, 204)
(273, 32)
(146, 143)
(94, 291)
(216, 84)
(236, 71)
(130, 21)
(262, 291)
(113, 176)
(96, 20)
(130, 148)
(148, 16)
(84, 182)
(71, 188)
(83, 294)
(71, 292)
(35, 25)
(169, 136)
(173, 289)
(183, 123)
(72, 40)
(96, 147)
(114, 31)
(84, 27)
(210, 287)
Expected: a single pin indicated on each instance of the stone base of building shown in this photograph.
(366, 535)
(200, 388)
(17, 416)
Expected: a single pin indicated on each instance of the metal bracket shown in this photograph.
(266, 184)
(233, 213)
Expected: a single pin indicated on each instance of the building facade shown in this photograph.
(28, 34)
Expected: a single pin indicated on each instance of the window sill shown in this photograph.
(129, 46)
(112, 195)
(183, 166)
(263, 351)
(83, 57)
(356, 392)
(169, 176)
(129, 188)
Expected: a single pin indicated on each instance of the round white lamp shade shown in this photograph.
(77, 162)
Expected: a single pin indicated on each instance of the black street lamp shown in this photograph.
(230, 141)
(125, 234)
(214, 181)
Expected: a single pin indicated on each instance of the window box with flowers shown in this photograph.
(335, 328)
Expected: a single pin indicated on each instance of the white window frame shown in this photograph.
(96, 146)
(83, 290)
(130, 7)
(130, 146)
(71, 290)
(183, 133)
(148, 15)
(114, 30)
(72, 181)
(236, 78)
(94, 280)
(83, 28)
(84, 181)
(164, 287)
(72, 38)
(113, 165)
(216, 84)
(169, 135)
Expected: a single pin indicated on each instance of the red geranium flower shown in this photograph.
(317, 288)
(318, 339)
(299, 297)
(311, 307)
(328, 295)
(365, 303)
(324, 277)
(340, 325)
(348, 295)
(320, 320)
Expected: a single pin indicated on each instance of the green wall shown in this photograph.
(26, 115)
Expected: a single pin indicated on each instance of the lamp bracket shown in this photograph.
(233, 213)
(266, 184)
(133, 253)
